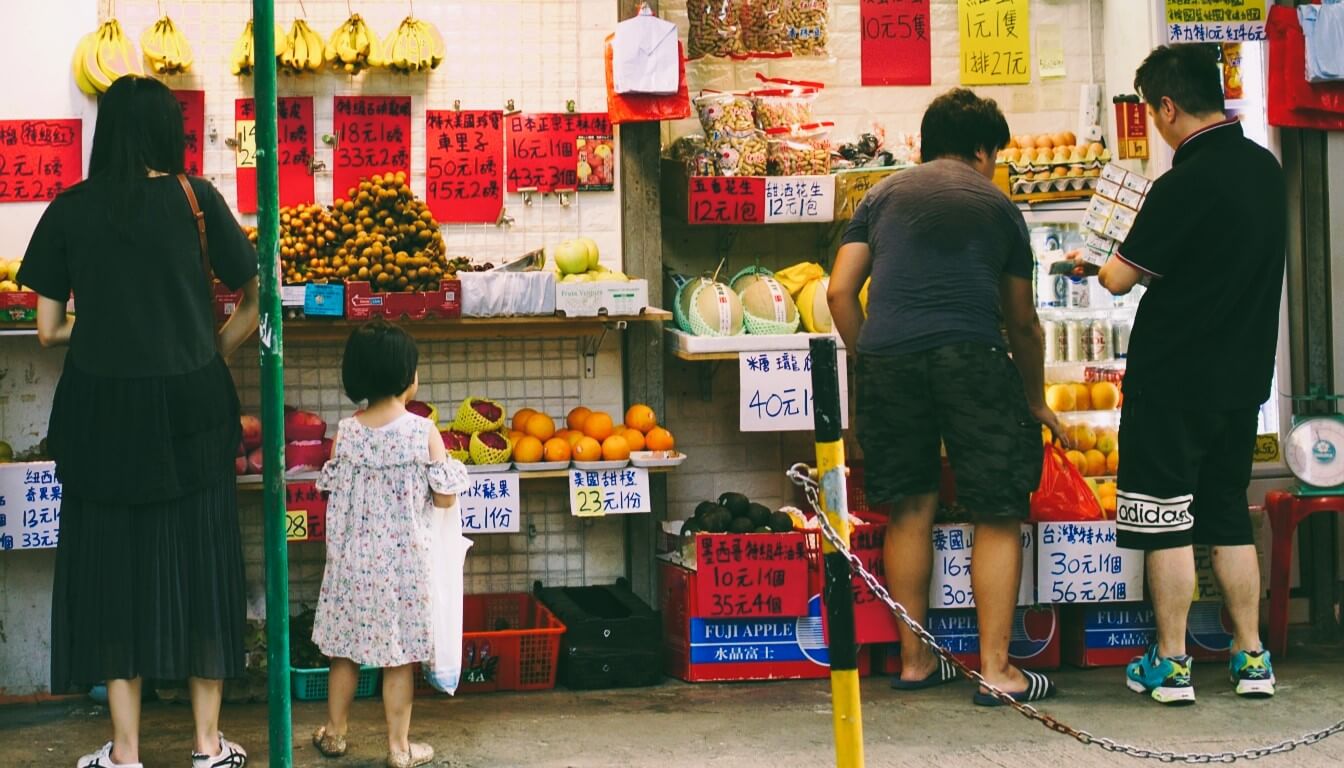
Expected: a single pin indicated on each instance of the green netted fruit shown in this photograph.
(490, 448)
(477, 414)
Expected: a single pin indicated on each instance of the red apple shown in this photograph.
(251, 432)
(307, 454)
(240, 465)
(304, 425)
(254, 462)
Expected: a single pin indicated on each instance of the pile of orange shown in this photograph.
(587, 435)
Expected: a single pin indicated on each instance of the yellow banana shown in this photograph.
(152, 45)
(241, 58)
(181, 47)
(77, 65)
(115, 54)
(281, 43)
(315, 48)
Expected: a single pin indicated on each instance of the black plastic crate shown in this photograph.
(613, 639)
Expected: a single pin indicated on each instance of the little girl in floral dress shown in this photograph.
(388, 471)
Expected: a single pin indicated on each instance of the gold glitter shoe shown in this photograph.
(420, 754)
(328, 744)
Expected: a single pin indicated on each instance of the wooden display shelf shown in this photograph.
(248, 484)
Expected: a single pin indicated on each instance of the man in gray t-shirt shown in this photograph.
(951, 270)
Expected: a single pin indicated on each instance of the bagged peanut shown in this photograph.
(715, 28)
(786, 27)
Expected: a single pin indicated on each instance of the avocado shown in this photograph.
(718, 520)
(735, 502)
(740, 525)
(691, 527)
(763, 529)
(780, 522)
(759, 514)
(704, 508)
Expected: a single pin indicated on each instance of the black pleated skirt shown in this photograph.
(149, 564)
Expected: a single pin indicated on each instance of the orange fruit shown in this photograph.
(1083, 437)
(1082, 397)
(587, 449)
(528, 450)
(659, 439)
(641, 417)
(520, 419)
(573, 438)
(514, 435)
(1105, 396)
(1113, 462)
(634, 438)
(557, 449)
(615, 448)
(1096, 463)
(540, 426)
(1078, 460)
(598, 426)
(1060, 399)
(577, 417)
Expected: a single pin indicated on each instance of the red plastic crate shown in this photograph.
(510, 642)
(857, 501)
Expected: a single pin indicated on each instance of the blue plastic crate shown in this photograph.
(311, 684)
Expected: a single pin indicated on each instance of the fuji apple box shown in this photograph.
(1034, 642)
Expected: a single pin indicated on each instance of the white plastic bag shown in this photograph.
(1323, 28)
(448, 555)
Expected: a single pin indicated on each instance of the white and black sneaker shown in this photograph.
(230, 756)
(103, 759)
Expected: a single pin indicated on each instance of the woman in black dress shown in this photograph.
(145, 424)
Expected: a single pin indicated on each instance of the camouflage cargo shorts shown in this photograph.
(968, 396)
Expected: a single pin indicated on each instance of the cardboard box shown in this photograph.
(324, 300)
(362, 303)
(722, 650)
(605, 298)
(1112, 635)
(18, 307)
(1034, 643)
(1080, 563)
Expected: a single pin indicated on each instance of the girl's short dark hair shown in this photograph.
(380, 362)
(959, 124)
(139, 129)
(1187, 74)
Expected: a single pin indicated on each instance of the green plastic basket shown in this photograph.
(311, 684)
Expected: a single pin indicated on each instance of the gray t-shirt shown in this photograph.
(941, 237)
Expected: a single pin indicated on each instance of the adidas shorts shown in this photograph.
(1184, 475)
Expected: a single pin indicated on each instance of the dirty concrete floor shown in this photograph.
(746, 724)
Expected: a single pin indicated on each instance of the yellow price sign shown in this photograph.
(851, 186)
(245, 149)
(598, 493)
(1267, 449)
(296, 525)
(586, 502)
(995, 41)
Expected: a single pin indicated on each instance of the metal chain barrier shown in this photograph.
(801, 475)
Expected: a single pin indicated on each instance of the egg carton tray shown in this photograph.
(1058, 184)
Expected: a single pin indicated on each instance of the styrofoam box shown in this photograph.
(605, 298)
(507, 294)
(696, 345)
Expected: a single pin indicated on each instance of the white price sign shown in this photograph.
(598, 493)
(776, 391)
(492, 504)
(1080, 563)
(951, 584)
(30, 506)
(799, 199)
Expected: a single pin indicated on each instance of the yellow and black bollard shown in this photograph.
(847, 712)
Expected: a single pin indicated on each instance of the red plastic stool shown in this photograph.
(1286, 511)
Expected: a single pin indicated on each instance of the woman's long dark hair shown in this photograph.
(139, 130)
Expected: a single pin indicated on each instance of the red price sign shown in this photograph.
(294, 144)
(895, 46)
(727, 200)
(747, 575)
(193, 125)
(39, 159)
(464, 165)
(873, 621)
(373, 137)
(305, 512)
(543, 148)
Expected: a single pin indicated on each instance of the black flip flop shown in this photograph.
(945, 673)
(1039, 688)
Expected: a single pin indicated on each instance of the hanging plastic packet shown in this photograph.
(740, 154)
(715, 28)
(801, 151)
(783, 108)
(775, 28)
(724, 113)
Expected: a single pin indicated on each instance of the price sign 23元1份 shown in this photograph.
(598, 493)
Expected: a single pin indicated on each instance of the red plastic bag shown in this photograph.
(1064, 496)
(646, 108)
(1293, 102)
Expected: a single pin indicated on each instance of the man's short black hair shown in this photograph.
(960, 124)
(1186, 74)
(380, 361)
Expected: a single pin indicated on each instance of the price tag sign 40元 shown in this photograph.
(776, 391)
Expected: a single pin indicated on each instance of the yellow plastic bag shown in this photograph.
(794, 278)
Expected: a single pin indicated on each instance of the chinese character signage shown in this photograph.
(30, 506)
(1080, 563)
(895, 42)
(609, 492)
(373, 137)
(726, 200)
(776, 391)
(995, 42)
(799, 199)
(543, 148)
(754, 574)
(1215, 21)
(305, 512)
(873, 620)
(193, 125)
(951, 584)
(294, 145)
(39, 159)
(492, 504)
(464, 165)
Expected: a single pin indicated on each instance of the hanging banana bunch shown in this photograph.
(353, 47)
(166, 49)
(303, 49)
(415, 46)
(102, 56)
(242, 59)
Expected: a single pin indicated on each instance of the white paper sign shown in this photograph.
(492, 504)
(30, 506)
(1079, 563)
(609, 492)
(799, 199)
(776, 391)
(951, 584)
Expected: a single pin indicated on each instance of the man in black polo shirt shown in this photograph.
(1209, 242)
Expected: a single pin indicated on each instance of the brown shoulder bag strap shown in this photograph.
(200, 229)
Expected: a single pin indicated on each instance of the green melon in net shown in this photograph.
(710, 308)
(477, 414)
(768, 308)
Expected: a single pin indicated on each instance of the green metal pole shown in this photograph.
(272, 385)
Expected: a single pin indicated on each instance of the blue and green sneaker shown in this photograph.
(1253, 674)
(1166, 679)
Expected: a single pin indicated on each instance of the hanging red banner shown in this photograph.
(193, 125)
(464, 165)
(39, 159)
(543, 153)
(895, 46)
(294, 142)
(373, 137)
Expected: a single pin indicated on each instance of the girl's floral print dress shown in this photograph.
(375, 603)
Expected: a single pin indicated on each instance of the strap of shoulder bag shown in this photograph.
(200, 228)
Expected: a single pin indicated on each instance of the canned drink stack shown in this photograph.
(1120, 342)
(1050, 328)
(1073, 334)
(1098, 340)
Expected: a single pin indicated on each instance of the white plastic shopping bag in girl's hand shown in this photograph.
(448, 556)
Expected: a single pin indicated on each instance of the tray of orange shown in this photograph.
(591, 439)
